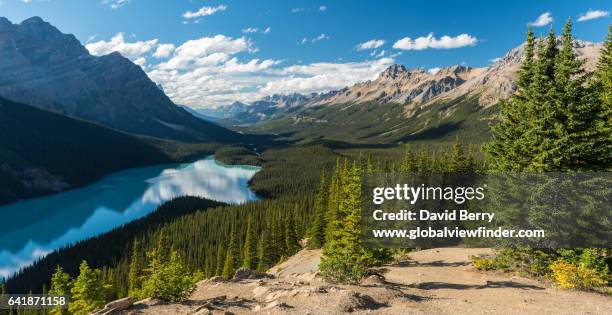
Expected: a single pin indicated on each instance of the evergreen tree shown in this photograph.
(135, 271)
(267, 251)
(250, 247)
(232, 256)
(344, 260)
(601, 87)
(408, 164)
(61, 284)
(169, 281)
(319, 221)
(506, 151)
(87, 291)
(331, 216)
(220, 260)
(292, 242)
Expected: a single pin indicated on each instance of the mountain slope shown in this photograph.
(44, 152)
(41, 66)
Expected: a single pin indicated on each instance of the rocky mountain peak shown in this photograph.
(394, 71)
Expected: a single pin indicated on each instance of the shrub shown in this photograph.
(570, 276)
(171, 281)
(345, 269)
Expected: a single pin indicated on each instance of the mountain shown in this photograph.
(409, 104)
(41, 66)
(39, 155)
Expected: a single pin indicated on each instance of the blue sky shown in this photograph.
(211, 52)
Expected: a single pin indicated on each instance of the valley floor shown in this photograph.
(434, 281)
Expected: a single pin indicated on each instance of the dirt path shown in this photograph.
(435, 281)
(452, 286)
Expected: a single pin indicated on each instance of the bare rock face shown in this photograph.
(115, 306)
(399, 85)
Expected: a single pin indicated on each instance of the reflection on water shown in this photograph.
(32, 228)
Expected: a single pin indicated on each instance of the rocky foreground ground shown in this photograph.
(434, 281)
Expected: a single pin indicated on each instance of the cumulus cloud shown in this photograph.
(204, 11)
(132, 50)
(430, 41)
(210, 72)
(323, 8)
(194, 52)
(371, 44)
(593, 14)
(543, 20)
(164, 51)
(114, 4)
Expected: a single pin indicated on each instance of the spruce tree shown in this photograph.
(601, 91)
(319, 222)
(61, 284)
(505, 151)
(267, 251)
(232, 256)
(87, 293)
(292, 242)
(135, 270)
(332, 203)
(344, 260)
(250, 247)
(220, 260)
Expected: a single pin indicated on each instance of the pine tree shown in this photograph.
(601, 91)
(250, 247)
(319, 222)
(344, 260)
(135, 270)
(278, 239)
(408, 164)
(163, 246)
(61, 284)
(506, 152)
(169, 281)
(267, 251)
(232, 256)
(87, 291)
(331, 216)
(220, 260)
(292, 242)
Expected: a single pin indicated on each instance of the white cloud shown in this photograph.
(371, 44)
(543, 20)
(249, 30)
(433, 70)
(132, 51)
(204, 11)
(114, 4)
(296, 10)
(164, 51)
(26, 1)
(321, 37)
(592, 14)
(494, 60)
(445, 42)
(192, 52)
(323, 8)
(141, 61)
(209, 71)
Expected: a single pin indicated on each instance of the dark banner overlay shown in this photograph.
(539, 210)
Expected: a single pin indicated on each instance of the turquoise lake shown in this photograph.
(32, 228)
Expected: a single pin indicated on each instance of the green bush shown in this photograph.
(170, 281)
(339, 269)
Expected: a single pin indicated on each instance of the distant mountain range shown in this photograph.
(418, 103)
(42, 67)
